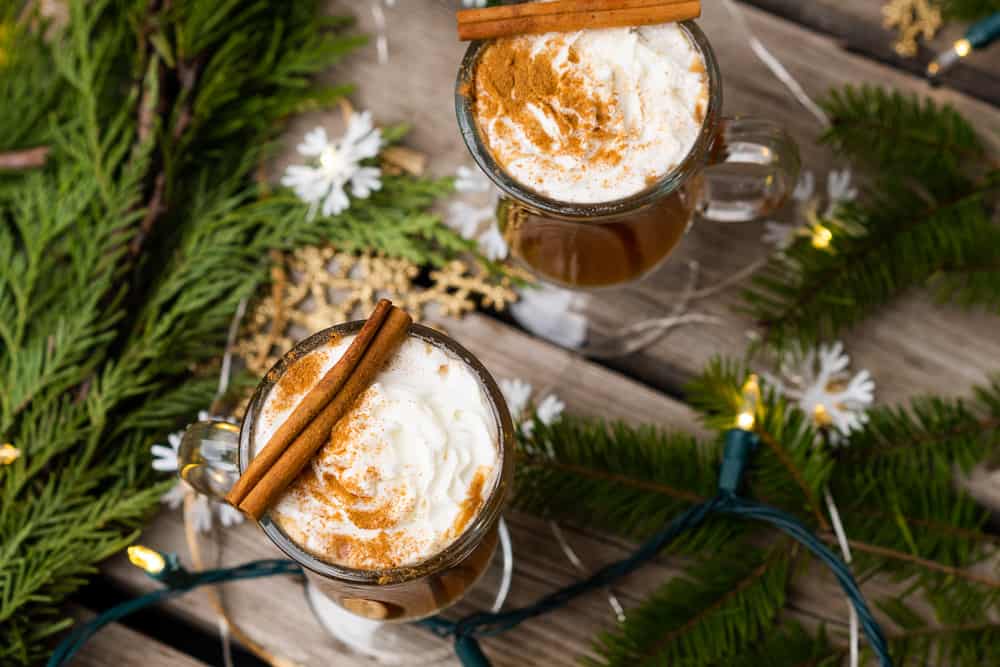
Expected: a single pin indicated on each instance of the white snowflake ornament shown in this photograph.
(335, 165)
(822, 386)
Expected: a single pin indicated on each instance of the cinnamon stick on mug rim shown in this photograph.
(297, 455)
(310, 406)
(570, 15)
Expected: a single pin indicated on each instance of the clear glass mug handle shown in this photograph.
(209, 457)
(753, 167)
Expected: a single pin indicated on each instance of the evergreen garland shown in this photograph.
(893, 482)
(968, 10)
(126, 242)
(927, 217)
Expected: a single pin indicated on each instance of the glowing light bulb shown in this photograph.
(821, 237)
(146, 559)
(747, 416)
(821, 415)
(962, 47)
(8, 454)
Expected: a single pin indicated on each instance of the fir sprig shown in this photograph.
(892, 481)
(623, 479)
(968, 10)
(714, 611)
(926, 215)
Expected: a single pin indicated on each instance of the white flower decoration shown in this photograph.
(471, 179)
(839, 190)
(335, 165)
(550, 409)
(165, 460)
(467, 219)
(517, 393)
(477, 220)
(175, 496)
(165, 456)
(805, 187)
(552, 313)
(820, 383)
(492, 243)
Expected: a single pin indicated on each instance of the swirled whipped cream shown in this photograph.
(591, 116)
(403, 474)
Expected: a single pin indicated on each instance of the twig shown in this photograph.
(779, 451)
(655, 487)
(153, 211)
(892, 554)
(29, 158)
(757, 574)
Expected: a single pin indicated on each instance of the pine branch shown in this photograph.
(788, 646)
(623, 479)
(927, 214)
(968, 10)
(885, 130)
(970, 641)
(895, 478)
(788, 471)
(715, 610)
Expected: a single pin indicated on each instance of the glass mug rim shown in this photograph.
(695, 158)
(473, 534)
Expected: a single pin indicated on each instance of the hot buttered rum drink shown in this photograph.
(591, 117)
(403, 475)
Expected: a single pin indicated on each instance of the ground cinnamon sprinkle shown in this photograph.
(511, 80)
(470, 506)
(298, 379)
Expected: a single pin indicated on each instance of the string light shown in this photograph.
(8, 454)
(821, 237)
(148, 560)
(747, 416)
(821, 416)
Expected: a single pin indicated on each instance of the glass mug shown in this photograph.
(738, 169)
(213, 453)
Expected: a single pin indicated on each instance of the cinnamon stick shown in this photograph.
(295, 458)
(569, 15)
(304, 413)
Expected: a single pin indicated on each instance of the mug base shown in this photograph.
(409, 643)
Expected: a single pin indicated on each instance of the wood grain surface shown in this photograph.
(857, 26)
(118, 646)
(911, 347)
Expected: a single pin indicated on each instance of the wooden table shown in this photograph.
(910, 347)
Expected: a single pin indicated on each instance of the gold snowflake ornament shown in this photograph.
(912, 19)
(317, 287)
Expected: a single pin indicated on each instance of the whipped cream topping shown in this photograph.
(591, 116)
(403, 474)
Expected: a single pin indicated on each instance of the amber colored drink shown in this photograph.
(597, 253)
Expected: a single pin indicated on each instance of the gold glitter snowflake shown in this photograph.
(316, 287)
(912, 19)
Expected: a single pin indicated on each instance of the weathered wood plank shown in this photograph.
(123, 647)
(274, 611)
(857, 26)
(911, 347)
